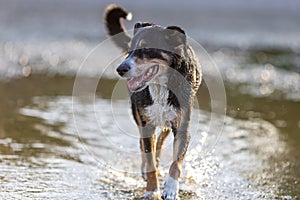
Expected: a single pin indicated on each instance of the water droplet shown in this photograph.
(26, 71)
(24, 60)
(54, 60)
(265, 75)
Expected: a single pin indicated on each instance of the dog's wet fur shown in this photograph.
(163, 76)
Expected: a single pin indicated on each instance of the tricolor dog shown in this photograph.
(163, 76)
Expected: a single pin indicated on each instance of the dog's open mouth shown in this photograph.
(139, 82)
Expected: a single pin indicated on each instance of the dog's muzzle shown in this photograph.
(139, 82)
(123, 69)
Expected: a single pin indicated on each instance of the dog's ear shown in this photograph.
(141, 25)
(175, 36)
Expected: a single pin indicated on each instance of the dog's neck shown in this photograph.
(158, 90)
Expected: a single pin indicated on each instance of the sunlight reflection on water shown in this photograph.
(210, 176)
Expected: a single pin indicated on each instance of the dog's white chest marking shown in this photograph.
(160, 112)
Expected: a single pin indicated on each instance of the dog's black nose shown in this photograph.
(123, 69)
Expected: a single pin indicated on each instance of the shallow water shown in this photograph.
(43, 156)
(56, 146)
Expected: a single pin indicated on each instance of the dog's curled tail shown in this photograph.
(115, 27)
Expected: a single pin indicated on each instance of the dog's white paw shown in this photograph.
(171, 189)
(153, 195)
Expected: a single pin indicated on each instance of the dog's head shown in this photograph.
(151, 52)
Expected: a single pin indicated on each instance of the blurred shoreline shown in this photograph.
(232, 23)
(53, 37)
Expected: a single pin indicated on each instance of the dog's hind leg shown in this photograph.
(148, 151)
(160, 142)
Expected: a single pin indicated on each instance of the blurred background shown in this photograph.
(255, 45)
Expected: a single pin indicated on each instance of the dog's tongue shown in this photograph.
(135, 83)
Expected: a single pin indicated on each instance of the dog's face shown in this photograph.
(151, 51)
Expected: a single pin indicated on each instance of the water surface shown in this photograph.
(43, 156)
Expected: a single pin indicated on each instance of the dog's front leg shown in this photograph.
(180, 146)
(149, 148)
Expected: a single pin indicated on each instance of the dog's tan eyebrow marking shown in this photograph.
(142, 43)
(165, 56)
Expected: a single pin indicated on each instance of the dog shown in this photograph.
(163, 76)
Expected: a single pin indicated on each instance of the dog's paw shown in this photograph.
(152, 195)
(171, 189)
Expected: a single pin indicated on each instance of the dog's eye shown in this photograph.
(151, 53)
(146, 50)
